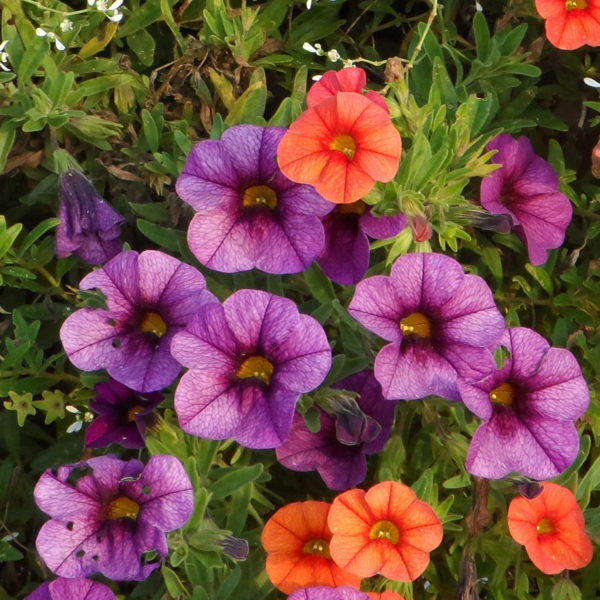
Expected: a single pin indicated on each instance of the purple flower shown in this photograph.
(329, 593)
(250, 359)
(112, 515)
(149, 297)
(526, 187)
(72, 589)
(248, 213)
(337, 451)
(345, 258)
(528, 408)
(440, 323)
(88, 225)
(123, 416)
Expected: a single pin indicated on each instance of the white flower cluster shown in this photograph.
(4, 56)
(112, 12)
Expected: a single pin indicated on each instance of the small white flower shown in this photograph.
(75, 426)
(591, 82)
(41, 32)
(66, 25)
(91, 2)
(3, 56)
(478, 6)
(333, 55)
(72, 409)
(309, 48)
(308, 4)
(116, 17)
(316, 77)
(102, 5)
(51, 36)
(115, 5)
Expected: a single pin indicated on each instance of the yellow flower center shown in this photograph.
(153, 323)
(576, 4)
(257, 367)
(416, 324)
(503, 394)
(134, 410)
(318, 547)
(545, 525)
(260, 195)
(354, 208)
(122, 507)
(385, 530)
(345, 144)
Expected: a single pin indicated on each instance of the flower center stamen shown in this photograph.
(345, 144)
(153, 323)
(576, 4)
(318, 547)
(134, 410)
(385, 530)
(122, 507)
(257, 367)
(260, 195)
(503, 394)
(416, 324)
(545, 525)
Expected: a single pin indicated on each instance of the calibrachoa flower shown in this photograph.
(571, 23)
(552, 529)
(329, 593)
(296, 539)
(247, 213)
(112, 515)
(342, 145)
(526, 187)
(123, 416)
(72, 589)
(528, 408)
(345, 258)
(149, 297)
(337, 451)
(386, 530)
(249, 359)
(387, 595)
(439, 322)
(88, 226)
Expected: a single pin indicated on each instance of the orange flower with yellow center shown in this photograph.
(571, 24)
(296, 539)
(386, 530)
(387, 595)
(552, 529)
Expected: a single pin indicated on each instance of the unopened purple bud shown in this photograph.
(352, 425)
(236, 548)
(528, 489)
(483, 220)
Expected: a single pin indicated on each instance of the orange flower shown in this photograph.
(341, 145)
(386, 530)
(387, 595)
(296, 539)
(571, 23)
(552, 529)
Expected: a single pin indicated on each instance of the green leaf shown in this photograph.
(7, 552)
(163, 236)
(481, 33)
(174, 586)
(8, 236)
(319, 284)
(231, 481)
(37, 232)
(542, 277)
(150, 130)
(7, 139)
(227, 587)
(157, 212)
(143, 46)
(165, 9)
(32, 59)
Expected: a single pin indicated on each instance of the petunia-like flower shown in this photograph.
(571, 24)
(342, 145)
(552, 529)
(88, 226)
(386, 530)
(250, 359)
(345, 258)
(528, 408)
(337, 451)
(72, 589)
(343, 592)
(526, 187)
(296, 539)
(113, 518)
(387, 595)
(123, 416)
(149, 297)
(248, 214)
(439, 322)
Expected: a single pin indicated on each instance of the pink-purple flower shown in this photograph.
(110, 516)
(88, 226)
(72, 589)
(322, 592)
(528, 408)
(123, 416)
(149, 297)
(440, 323)
(337, 451)
(526, 187)
(345, 258)
(250, 359)
(248, 214)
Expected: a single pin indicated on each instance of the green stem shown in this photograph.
(419, 46)
(55, 10)
(34, 373)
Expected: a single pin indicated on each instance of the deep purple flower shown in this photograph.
(345, 258)
(149, 297)
(440, 323)
(337, 451)
(112, 515)
(250, 359)
(328, 593)
(526, 187)
(88, 225)
(248, 214)
(123, 416)
(528, 408)
(72, 589)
